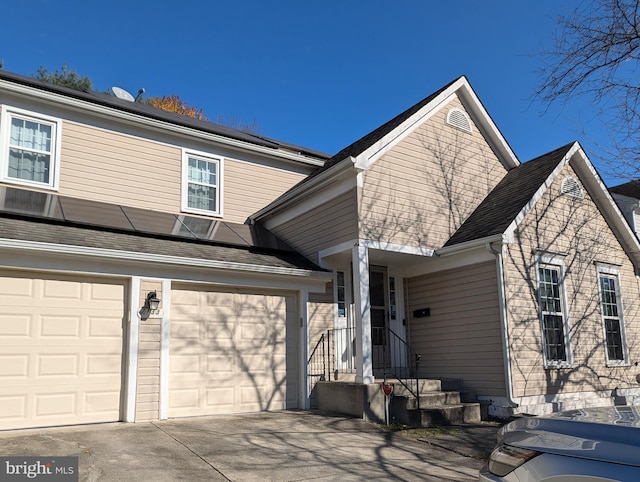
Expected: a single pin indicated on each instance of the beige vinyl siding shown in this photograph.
(422, 190)
(329, 224)
(115, 168)
(575, 229)
(149, 339)
(462, 336)
(250, 187)
(321, 315)
(112, 167)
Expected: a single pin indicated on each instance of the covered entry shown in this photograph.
(232, 351)
(61, 341)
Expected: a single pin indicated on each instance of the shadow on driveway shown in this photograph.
(288, 445)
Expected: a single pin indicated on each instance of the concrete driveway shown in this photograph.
(292, 445)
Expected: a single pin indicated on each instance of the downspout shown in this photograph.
(506, 353)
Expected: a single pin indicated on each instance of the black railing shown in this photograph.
(335, 353)
(393, 357)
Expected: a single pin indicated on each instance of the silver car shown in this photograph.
(595, 444)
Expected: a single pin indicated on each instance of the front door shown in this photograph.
(379, 317)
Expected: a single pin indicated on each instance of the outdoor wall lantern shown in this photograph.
(151, 304)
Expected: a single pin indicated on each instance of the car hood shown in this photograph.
(610, 434)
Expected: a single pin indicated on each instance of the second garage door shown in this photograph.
(232, 351)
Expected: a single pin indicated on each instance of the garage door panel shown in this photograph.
(243, 362)
(61, 340)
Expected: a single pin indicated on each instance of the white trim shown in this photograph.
(164, 350)
(132, 351)
(154, 258)
(184, 184)
(470, 101)
(303, 339)
(554, 260)
(305, 189)
(56, 139)
(313, 199)
(614, 272)
(85, 106)
(364, 360)
(396, 248)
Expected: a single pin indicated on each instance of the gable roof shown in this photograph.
(366, 150)
(8, 79)
(503, 204)
(629, 189)
(510, 201)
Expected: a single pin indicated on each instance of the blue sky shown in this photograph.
(317, 74)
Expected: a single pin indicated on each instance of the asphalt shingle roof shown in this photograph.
(629, 189)
(158, 114)
(496, 212)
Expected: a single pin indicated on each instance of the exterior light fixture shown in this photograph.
(153, 301)
(151, 305)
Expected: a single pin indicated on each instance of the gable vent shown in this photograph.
(571, 187)
(459, 119)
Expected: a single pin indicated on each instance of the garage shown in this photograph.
(61, 349)
(232, 351)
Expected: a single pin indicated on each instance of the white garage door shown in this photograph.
(60, 350)
(232, 352)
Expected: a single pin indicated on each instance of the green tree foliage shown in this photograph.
(64, 77)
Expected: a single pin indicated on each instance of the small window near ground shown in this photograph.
(612, 316)
(553, 316)
(30, 148)
(201, 184)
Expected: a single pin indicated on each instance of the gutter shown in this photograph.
(503, 318)
(112, 113)
(65, 249)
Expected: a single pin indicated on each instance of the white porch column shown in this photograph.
(364, 361)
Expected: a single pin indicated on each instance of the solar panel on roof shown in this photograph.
(93, 213)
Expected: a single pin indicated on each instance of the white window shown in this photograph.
(553, 314)
(616, 350)
(341, 294)
(30, 145)
(201, 183)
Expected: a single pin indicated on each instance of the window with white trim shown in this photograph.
(553, 314)
(30, 145)
(201, 183)
(341, 294)
(612, 315)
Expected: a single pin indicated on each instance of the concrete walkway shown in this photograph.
(293, 445)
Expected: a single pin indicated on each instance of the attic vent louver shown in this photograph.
(571, 187)
(459, 119)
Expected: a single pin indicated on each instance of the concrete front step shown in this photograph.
(425, 385)
(444, 415)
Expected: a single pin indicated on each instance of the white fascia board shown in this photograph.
(471, 103)
(305, 190)
(509, 232)
(607, 205)
(467, 245)
(137, 119)
(156, 259)
(397, 248)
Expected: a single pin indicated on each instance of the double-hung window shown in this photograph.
(30, 145)
(201, 183)
(612, 315)
(553, 315)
